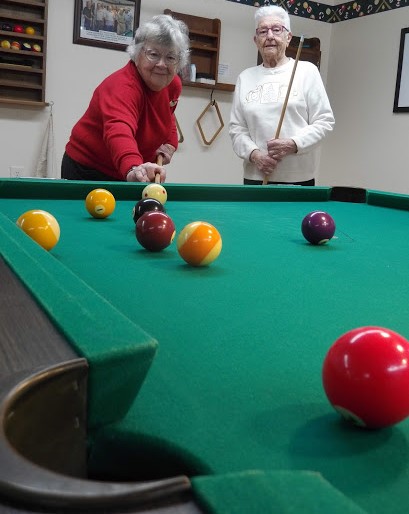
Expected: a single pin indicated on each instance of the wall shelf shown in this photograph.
(219, 86)
(310, 50)
(204, 35)
(23, 72)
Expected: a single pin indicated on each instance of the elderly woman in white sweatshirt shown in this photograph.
(258, 101)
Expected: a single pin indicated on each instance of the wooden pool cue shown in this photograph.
(159, 161)
(287, 96)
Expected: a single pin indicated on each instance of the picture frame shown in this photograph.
(401, 101)
(106, 23)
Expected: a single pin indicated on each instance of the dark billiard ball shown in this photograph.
(155, 230)
(199, 243)
(366, 376)
(100, 203)
(146, 205)
(41, 226)
(318, 227)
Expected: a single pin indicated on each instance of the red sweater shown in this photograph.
(125, 123)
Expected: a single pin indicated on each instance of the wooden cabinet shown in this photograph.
(311, 50)
(23, 42)
(204, 35)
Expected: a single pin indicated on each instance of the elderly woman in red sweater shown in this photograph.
(130, 120)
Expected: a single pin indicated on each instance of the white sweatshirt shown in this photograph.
(257, 103)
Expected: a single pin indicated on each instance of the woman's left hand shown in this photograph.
(279, 148)
(167, 152)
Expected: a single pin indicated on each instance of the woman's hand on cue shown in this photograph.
(146, 172)
(279, 148)
(167, 152)
(263, 161)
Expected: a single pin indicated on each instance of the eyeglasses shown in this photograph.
(155, 57)
(277, 30)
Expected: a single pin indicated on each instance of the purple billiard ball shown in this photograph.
(318, 227)
(155, 230)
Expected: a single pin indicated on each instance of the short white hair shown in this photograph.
(165, 31)
(273, 10)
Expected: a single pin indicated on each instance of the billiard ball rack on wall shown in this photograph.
(23, 38)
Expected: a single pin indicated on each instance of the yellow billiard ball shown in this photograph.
(41, 226)
(199, 243)
(100, 203)
(155, 191)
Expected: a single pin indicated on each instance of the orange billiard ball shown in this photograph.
(41, 226)
(100, 203)
(199, 243)
(30, 30)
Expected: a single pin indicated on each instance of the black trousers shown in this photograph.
(248, 182)
(71, 170)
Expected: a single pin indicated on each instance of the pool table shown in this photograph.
(209, 378)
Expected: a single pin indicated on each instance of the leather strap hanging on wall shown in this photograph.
(211, 104)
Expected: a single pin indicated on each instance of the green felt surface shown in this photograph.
(279, 492)
(236, 382)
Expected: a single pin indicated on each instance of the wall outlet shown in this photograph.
(16, 171)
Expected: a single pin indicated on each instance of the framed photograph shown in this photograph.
(106, 23)
(401, 103)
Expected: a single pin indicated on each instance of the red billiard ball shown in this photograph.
(366, 376)
(318, 227)
(146, 205)
(155, 230)
(18, 28)
(199, 243)
(41, 226)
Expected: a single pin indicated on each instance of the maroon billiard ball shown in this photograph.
(318, 227)
(146, 205)
(366, 376)
(155, 230)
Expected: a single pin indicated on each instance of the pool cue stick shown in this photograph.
(287, 96)
(159, 161)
